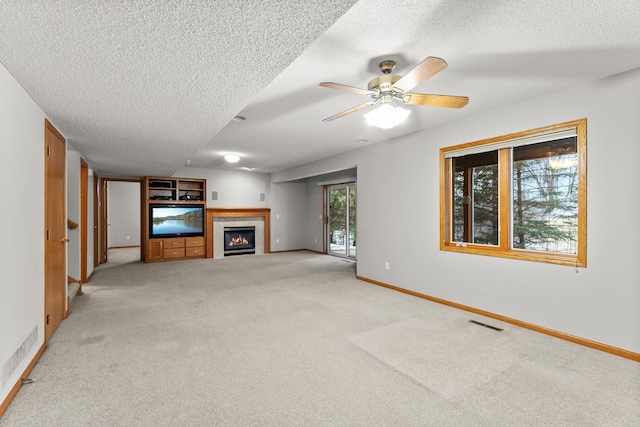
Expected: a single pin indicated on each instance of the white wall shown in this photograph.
(313, 223)
(73, 212)
(341, 162)
(599, 303)
(235, 189)
(21, 261)
(288, 217)
(123, 213)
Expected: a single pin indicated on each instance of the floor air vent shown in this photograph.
(495, 328)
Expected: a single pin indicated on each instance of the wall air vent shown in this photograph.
(18, 355)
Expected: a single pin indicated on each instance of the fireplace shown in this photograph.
(239, 240)
(220, 218)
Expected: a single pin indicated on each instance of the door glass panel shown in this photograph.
(352, 221)
(342, 220)
(338, 221)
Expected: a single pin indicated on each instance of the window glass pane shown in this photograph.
(545, 196)
(475, 198)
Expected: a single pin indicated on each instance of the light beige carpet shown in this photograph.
(293, 339)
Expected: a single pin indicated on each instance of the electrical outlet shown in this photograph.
(316, 241)
(128, 237)
(277, 240)
(386, 265)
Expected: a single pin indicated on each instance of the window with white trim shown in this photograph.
(517, 196)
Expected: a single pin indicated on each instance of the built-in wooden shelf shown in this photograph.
(159, 191)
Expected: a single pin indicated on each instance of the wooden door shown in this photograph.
(55, 245)
(96, 220)
(84, 219)
(104, 244)
(154, 250)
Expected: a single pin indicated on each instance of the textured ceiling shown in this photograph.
(139, 88)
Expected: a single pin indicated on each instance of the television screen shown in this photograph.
(176, 220)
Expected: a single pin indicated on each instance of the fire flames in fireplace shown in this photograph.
(238, 240)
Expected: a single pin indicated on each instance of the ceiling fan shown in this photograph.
(387, 87)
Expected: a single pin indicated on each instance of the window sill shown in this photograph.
(535, 256)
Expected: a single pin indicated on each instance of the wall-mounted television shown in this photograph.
(176, 220)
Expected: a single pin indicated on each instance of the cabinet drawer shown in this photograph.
(192, 242)
(178, 242)
(174, 253)
(198, 251)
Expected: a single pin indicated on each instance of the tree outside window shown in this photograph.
(518, 196)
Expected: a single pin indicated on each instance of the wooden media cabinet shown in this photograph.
(161, 194)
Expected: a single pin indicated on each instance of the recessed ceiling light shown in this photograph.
(239, 118)
(232, 158)
(361, 141)
(248, 169)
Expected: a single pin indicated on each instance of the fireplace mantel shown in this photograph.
(265, 213)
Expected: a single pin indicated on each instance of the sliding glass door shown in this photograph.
(341, 224)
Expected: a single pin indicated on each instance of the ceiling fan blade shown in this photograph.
(447, 101)
(348, 88)
(349, 111)
(428, 68)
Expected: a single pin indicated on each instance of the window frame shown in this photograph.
(504, 248)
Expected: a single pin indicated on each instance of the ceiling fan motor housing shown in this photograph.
(384, 85)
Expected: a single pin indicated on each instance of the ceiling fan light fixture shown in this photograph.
(387, 115)
(232, 158)
(387, 87)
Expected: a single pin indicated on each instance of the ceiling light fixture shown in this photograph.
(387, 116)
(232, 158)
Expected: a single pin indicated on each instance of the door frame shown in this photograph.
(96, 220)
(104, 223)
(104, 245)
